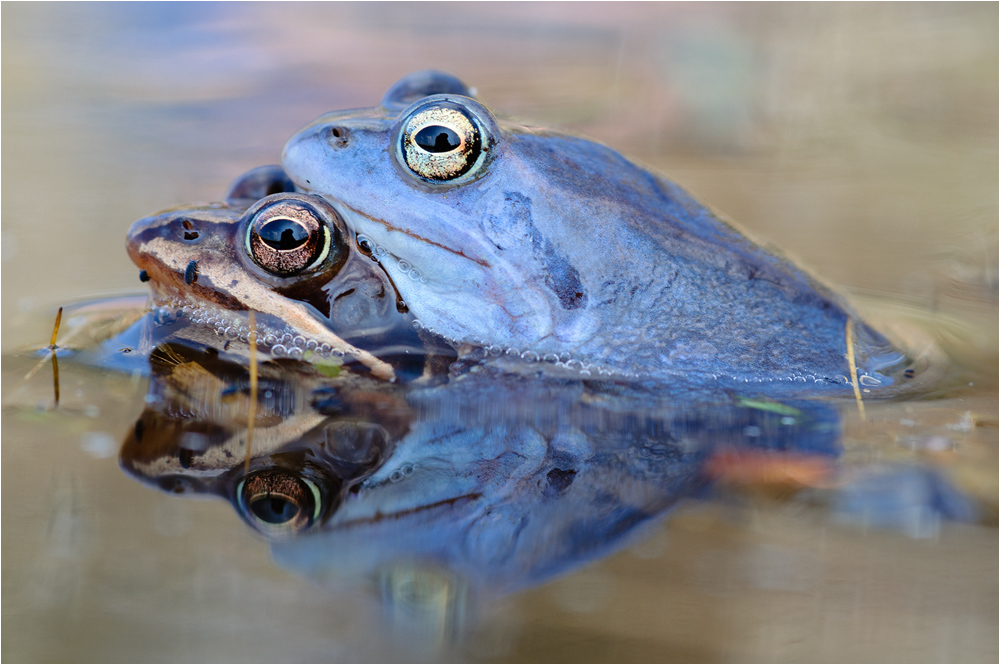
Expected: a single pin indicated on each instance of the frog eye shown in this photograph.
(287, 235)
(277, 503)
(442, 141)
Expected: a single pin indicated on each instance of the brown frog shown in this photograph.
(285, 256)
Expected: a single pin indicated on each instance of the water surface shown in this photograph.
(862, 139)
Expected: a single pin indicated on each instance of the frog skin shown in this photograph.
(536, 245)
(320, 294)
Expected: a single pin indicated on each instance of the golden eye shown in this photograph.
(277, 503)
(440, 141)
(287, 235)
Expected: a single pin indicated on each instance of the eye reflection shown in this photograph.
(282, 233)
(278, 503)
(437, 138)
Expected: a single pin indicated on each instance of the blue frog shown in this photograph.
(536, 246)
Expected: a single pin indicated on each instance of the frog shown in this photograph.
(283, 255)
(532, 247)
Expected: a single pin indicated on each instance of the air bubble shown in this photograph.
(311, 345)
(279, 350)
(296, 352)
(270, 340)
(325, 349)
(530, 356)
(550, 358)
(161, 316)
(286, 339)
(229, 333)
(299, 341)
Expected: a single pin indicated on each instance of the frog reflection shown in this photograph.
(487, 484)
(284, 255)
(551, 247)
(191, 438)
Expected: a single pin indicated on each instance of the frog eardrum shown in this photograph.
(286, 235)
(444, 139)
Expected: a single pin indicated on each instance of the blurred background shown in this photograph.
(861, 138)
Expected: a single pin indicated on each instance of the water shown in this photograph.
(862, 139)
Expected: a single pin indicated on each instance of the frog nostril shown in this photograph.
(338, 137)
(190, 233)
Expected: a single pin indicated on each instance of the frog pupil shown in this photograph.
(437, 138)
(283, 234)
(274, 510)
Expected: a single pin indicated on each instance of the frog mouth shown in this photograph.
(395, 229)
(379, 517)
(270, 329)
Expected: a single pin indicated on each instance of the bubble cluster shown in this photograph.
(402, 472)
(233, 326)
(379, 253)
(407, 269)
(563, 360)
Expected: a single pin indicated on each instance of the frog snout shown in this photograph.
(164, 239)
(138, 236)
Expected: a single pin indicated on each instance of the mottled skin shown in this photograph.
(559, 247)
(348, 305)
